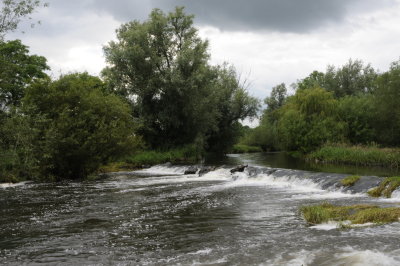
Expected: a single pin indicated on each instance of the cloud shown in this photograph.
(266, 48)
(253, 15)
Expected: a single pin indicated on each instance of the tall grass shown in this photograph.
(356, 214)
(357, 155)
(186, 154)
(386, 187)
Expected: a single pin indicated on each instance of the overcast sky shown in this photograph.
(268, 41)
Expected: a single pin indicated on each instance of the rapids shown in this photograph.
(158, 216)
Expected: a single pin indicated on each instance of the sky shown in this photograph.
(268, 41)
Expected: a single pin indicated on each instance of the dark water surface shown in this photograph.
(161, 217)
(284, 160)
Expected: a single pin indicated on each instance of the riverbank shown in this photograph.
(356, 155)
(145, 159)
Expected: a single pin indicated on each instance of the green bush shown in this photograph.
(78, 125)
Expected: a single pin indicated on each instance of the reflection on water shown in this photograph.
(284, 160)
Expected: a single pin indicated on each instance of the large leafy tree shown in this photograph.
(18, 70)
(161, 65)
(78, 125)
(308, 120)
(386, 97)
(353, 78)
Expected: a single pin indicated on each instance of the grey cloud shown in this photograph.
(232, 15)
(275, 15)
(279, 15)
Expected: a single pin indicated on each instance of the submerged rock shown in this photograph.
(205, 169)
(191, 170)
(239, 168)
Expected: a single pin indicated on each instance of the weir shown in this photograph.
(160, 216)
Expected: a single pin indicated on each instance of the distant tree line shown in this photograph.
(352, 104)
(159, 92)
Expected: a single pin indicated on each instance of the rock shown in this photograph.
(146, 166)
(239, 168)
(205, 169)
(191, 170)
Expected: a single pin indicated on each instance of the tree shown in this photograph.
(353, 78)
(386, 96)
(359, 114)
(12, 11)
(315, 79)
(308, 120)
(79, 126)
(161, 65)
(18, 70)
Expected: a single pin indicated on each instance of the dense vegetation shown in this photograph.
(344, 115)
(159, 99)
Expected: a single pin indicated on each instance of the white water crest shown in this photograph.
(10, 185)
(301, 188)
(355, 257)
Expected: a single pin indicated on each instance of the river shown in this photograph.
(159, 216)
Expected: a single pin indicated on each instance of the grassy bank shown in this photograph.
(241, 148)
(141, 159)
(357, 155)
(355, 214)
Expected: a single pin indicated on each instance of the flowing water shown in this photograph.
(159, 216)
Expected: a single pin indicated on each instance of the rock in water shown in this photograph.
(191, 170)
(205, 169)
(239, 168)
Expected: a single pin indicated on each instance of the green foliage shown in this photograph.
(275, 101)
(356, 214)
(308, 120)
(357, 155)
(351, 79)
(12, 11)
(17, 157)
(162, 66)
(386, 187)
(82, 126)
(386, 97)
(350, 180)
(18, 70)
(359, 114)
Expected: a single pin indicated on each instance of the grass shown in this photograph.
(386, 187)
(350, 180)
(355, 214)
(357, 155)
(242, 148)
(147, 158)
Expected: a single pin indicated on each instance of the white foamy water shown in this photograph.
(301, 188)
(10, 185)
(355, 257)
(163, 170)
